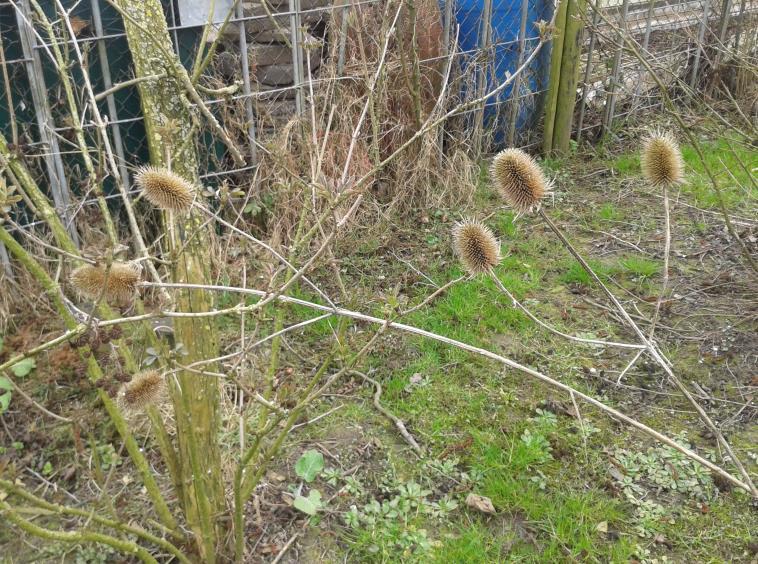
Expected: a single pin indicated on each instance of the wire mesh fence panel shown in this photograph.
(682, 41)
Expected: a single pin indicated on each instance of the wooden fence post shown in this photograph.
(556, 56)
(564, 76)
(570, 59)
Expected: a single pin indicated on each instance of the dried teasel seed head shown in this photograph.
(519, 179)
(117, 284)
(165, 189)
(476, 246)
(145, 388)
(661, 160)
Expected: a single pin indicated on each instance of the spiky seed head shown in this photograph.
(519, 179)
(117, 284)
(165, 189)
(476, 246)
(661, 160)
(145, 388)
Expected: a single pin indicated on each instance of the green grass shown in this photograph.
(549, 484)
(724, 162)
(729, 161)
(609, 212)
(574, 273)
(640, 267)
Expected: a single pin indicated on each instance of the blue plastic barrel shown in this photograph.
(505, 27)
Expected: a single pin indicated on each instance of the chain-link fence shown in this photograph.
(278, 53)
(684, 42)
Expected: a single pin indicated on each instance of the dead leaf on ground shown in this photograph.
(480, 503)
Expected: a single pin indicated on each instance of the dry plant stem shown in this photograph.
(76, 121)
(171, 141)
(431, 297)
(653, 351)
(631, 45)
(127, 84)
(483, 352)
(260, 243)
(111, 158)
(8, 93)
(17, 490)
(46, 211)
(33, 403)
(628, 367)
(544, 325)
(387, 413)
(287, 546)
(180, 74)
(666, 255)
(202, 62)
(124, 546)
(167, 449)
(429, 125)
(245, 484)
(53, 291)
(139, 460)
(43, 207)
(369, 97)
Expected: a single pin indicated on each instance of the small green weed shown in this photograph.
(575, 274)
(609, 212)
(660, 469)
(640, 268)
(391, 530)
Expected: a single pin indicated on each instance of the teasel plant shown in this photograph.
(479, 252)
(522, 184)
(205, 518)
(662, 168)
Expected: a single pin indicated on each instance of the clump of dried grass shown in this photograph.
(302, 163)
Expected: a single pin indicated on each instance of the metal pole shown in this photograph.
(246, 89)
(725, 17)
(611, 108)
(648, 26)
(447, 18)
(485, 38)
(738, 33)
(6, 262)
(105, 68)
(343, 40)
(517, 83)
(297, 55)
(587, 72)
(174, 27)
(53, 162)
(645, 44)
(700, 38)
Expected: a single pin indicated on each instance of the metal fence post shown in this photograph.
(297, 55)
(738, 33)
(645, 44)
(105, 68)
(588, 71)
(700, 38)
(611, 107)
(343, 39)
(485, 39)
(515, 104)
(246, 88)
(53, 162)
(6, 262)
